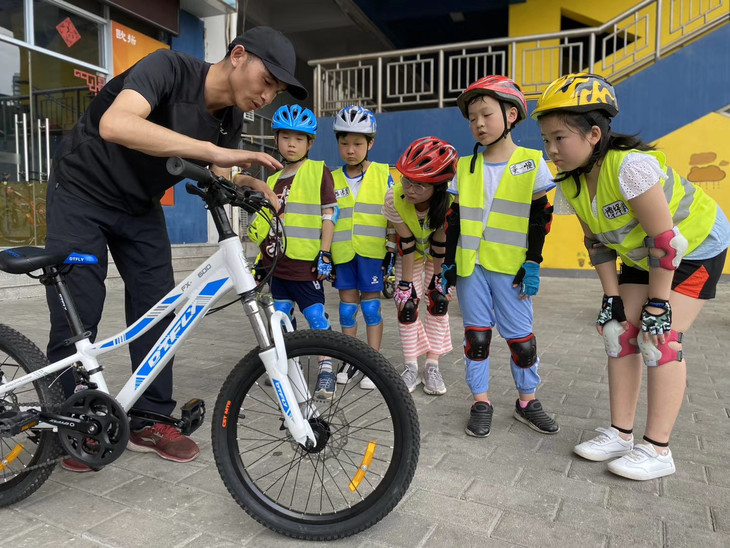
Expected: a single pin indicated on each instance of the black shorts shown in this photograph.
(696, 279)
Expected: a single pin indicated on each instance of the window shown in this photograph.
(62, 31)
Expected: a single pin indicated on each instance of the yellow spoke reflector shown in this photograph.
(17, 450)
(364, 465)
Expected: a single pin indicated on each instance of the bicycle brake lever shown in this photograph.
(190, 188)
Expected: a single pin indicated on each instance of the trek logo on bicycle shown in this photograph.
(282, 398)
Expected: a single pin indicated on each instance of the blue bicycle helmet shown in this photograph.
(355, 119)
(295, 118)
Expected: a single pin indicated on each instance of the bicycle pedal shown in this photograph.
(14, 422)
(193, 415)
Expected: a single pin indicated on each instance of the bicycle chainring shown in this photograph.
(110, 433)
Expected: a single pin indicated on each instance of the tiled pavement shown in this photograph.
(514, 488)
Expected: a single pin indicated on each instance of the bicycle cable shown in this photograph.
(274, 223)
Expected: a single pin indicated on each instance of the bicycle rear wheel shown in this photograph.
(365, 459)
(27, 458)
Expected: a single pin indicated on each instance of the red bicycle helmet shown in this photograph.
(428, 160)
(501, 88)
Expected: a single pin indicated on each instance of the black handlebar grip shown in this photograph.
(179, 167)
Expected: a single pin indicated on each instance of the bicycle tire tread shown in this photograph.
(26, 353)
(383, 506)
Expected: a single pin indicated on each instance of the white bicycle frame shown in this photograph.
(226, 269)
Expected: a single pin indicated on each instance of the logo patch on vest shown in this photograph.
(342, 192)
(614, 210)
(522, 167)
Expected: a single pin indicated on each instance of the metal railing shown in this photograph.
(434, 76)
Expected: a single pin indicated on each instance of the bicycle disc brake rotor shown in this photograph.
(108, 438)
(332, 435)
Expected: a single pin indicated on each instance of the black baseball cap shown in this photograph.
(277, 54)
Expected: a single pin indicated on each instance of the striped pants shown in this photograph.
(428, 333)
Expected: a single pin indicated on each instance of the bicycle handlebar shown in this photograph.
(183, 168)
(219, 189)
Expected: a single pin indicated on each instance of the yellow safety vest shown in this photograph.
(360, 224)
(502, 243)
(617, 227)
(407, 212)
(302, 216)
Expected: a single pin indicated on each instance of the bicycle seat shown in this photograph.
(22, 260)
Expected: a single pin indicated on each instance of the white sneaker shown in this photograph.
(366, 383)
(607, 445)
(433, 382)
(411, 377)
(643, 463)
(346, 373)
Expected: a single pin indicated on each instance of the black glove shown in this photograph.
(387, 260)
(438, 303)
(611, 309)
(259, 272)
(656, 324)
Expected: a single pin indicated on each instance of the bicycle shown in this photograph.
(302, 467)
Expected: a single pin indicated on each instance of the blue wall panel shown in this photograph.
(187, 219)
(677, 90)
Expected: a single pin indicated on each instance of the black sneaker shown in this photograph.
(480, 420)
(535, 417)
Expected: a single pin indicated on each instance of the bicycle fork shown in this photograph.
(286, 376)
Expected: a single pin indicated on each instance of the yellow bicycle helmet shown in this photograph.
(578, 92)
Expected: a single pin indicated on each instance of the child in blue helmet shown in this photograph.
(360, 248)
(307, 204)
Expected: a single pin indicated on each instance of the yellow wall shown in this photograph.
(535, 66)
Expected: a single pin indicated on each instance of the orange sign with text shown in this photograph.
(128, 47)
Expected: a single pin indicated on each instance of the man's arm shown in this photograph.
(125, 123)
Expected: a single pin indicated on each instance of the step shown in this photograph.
(185, 258)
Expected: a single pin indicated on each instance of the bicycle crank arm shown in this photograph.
(69, 423)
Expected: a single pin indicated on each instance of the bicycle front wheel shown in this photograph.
(28, 457)
(367, 450)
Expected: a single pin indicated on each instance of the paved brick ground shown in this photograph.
(515, 488)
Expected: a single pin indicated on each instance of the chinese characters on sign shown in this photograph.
(124, 37)
(68, 32)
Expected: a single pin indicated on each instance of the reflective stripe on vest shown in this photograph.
(617, 227)
(302, 216)
(502, 243)
(360, 224)
(407, 212)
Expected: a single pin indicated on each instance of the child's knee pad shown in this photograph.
(348, 313)
(286, 306)
(524, 351)
(661, 353)
(316, 316)
(371, 311)
(616, 340)
(476, 342)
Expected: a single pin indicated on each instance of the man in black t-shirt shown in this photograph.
(109, 175)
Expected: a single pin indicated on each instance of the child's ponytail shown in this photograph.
(438, 206)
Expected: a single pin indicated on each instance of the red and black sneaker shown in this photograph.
(165, 440)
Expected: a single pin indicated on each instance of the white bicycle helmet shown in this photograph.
(354, 119)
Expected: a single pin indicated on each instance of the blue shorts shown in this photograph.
(304, 294)
(361, 273)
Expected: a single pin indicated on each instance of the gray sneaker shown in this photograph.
(411, 378)
(433, 382)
